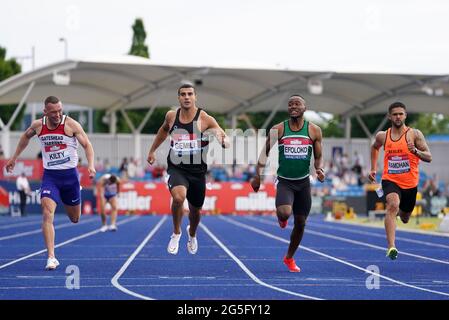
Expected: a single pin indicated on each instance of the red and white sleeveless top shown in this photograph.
(59, 151)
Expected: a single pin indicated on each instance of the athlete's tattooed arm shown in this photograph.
(420, 147)
(23, 143)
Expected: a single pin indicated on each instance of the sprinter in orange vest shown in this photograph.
(403, 148)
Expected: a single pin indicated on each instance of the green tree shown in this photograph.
(8, 68)
(431, 123)
(138, 46)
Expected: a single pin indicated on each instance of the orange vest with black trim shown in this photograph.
(400, 165)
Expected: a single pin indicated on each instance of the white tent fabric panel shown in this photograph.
(135, 82)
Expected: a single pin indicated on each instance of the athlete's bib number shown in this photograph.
(185, 145)
(296, 149)
(398, 164)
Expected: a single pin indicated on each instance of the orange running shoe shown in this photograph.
(291, 264)
(283, 224)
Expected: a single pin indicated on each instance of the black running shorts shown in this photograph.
(407, 196)
(295, 193)
(195, 184)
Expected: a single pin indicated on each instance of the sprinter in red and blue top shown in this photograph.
(404, 147)
(189, 128)
(59, 136)
(298, 139)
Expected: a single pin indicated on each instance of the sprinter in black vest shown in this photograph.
(189, 128)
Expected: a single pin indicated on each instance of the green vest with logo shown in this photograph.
(295, 152)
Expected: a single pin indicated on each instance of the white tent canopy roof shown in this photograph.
(132, 82)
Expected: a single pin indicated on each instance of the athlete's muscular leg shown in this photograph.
(405, 216)
(390, 218)
(194, 219)
(73, 212)
(296, 235)
(178, 194)
(103, 210)
(113, 202)
(283, 212)
(48, 213)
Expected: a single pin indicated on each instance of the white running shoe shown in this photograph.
(192, 244)
(112, 227)
(173, 245)
(52, 263)
(104, 228)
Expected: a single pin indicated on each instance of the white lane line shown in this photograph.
(367, 233)
(409, 231)
(59, 226)
(432, 244)
(308, 231)
(23, 224)
(85, 235)
(125, 266)
(269, 235)
(248, 272)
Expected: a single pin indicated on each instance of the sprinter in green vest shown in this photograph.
(297, 139)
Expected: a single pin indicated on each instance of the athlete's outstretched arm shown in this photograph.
(23, 143)
(378, 142)
(318, 152)
(84, 141)
(274, 134)
(420, 147)
(161, 135)
(217, 131)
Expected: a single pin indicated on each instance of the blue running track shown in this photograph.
(239, 258)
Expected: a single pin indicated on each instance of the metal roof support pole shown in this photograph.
(113, 123)
(247, 120)
(381, 125)
(363, 125)
(348, 135)
(33, 112)
(275, 109)
(128, 120)
(19, 107)
(138, 146)
(150, 112)
(6, 141)
(348, 128)
(90, 117)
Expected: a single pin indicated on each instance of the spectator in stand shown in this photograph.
(23, 186)
(357, 167)
(99, 166)
(124, 168)
(107, 165)
(132, 168)
(158, 171)
(431, 187)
